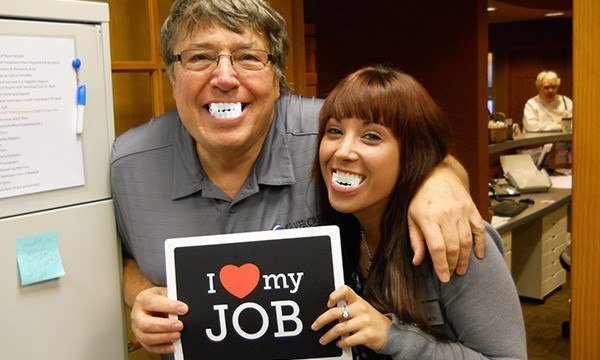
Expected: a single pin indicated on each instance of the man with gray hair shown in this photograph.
(545, 111)
(237, 156)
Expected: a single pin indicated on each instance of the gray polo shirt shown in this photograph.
(161, 191)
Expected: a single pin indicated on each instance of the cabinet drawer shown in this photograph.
(549, 271)
(553, 255)
(552, 283)
(553, 229)
(553, 242)
(555, 216)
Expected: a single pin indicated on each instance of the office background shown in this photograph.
(444, 44)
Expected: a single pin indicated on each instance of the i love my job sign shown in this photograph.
(254, 295)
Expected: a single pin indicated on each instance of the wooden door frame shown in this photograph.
(585, 289)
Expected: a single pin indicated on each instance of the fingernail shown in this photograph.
(321, 341)
(175, 336)
(177, 326)
(461, 271)
(313, 326)
(181, 309)
(445, 276)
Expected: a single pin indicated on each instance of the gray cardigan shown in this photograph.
(479, 312)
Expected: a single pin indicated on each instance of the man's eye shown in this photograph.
(198, 57)
(248, 57)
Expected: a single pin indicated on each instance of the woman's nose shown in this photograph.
(347, 150)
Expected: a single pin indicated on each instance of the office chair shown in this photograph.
(565, 261)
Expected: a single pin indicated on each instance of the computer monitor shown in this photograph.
(543, 159)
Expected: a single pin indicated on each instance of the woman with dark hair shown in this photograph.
(381, 135)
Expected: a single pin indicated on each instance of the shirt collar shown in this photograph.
(274, 163)
(188, 175)
(273, 166)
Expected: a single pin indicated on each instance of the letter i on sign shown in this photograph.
(211, 284)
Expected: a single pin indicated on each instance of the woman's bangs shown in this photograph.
(367, 101)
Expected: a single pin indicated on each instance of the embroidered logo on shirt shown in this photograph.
(312, 221)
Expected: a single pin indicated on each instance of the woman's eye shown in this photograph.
(372, 137)
(334, 131)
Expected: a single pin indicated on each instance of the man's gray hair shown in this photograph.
(547, 76)
(187, 16)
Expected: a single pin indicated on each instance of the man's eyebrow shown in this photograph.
(208, 45)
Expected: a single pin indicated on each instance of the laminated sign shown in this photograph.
(255, 295)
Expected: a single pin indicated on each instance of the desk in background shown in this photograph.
(533, 241)
(560, 156)
(530, 139)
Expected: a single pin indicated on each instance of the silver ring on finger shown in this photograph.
(345, 313)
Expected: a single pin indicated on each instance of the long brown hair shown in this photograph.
(397, 101)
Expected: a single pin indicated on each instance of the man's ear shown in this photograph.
(277, 87)
(172, 77)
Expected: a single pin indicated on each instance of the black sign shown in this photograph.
(255, 295)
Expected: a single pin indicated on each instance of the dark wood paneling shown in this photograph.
(531, 34)
(443, 44)
(542, 4)
(521, 50)
(523, 69)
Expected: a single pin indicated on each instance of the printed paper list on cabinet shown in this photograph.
(39, 147)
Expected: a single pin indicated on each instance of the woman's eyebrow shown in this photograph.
(368, 122)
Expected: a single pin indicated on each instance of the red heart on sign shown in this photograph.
(239, 281)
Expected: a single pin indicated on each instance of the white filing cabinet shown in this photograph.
(79, 315)
(536, 248)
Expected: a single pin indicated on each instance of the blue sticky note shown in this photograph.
(38, 258)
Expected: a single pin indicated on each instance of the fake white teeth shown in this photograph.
(346, 179)
(225, 110)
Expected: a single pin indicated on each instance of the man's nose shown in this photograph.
(224, 75)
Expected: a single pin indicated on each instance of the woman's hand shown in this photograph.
(364, 325)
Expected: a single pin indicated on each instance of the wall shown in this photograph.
(585, 291)
(293, 13)
(443, 44)
(521, 50)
